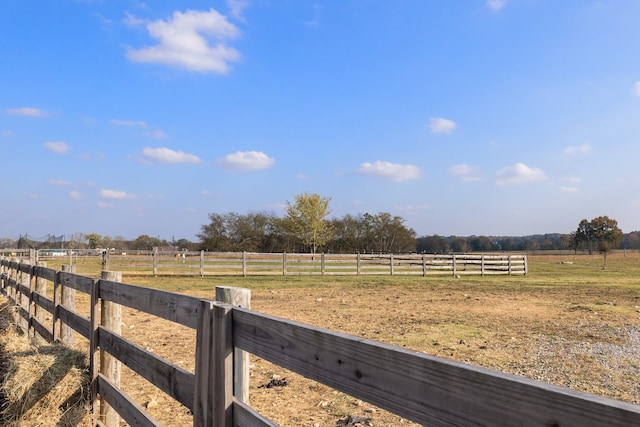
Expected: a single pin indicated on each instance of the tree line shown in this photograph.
(306, 227)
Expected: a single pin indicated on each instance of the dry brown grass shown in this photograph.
(567, 324)
(41, 386)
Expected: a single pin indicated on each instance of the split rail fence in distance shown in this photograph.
(425, 389)
(249, 263)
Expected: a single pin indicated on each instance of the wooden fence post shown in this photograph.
(358, 263)
(238, 297)
(22, 301)
(284, 263)
(322, 264)
(68, 299)
(482, 265)
(454, 265)
(40, 287)
(424, 265)
(202, 263)
(110, 367)
(391, 262)
(155, 261)
(94, 354)
(105, 260)
(244, 264)
(213, 396)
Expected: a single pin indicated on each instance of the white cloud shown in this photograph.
(167, 155)
(236, 7)
(636, 88)
(583, 149)
(59, 182)
(441, 125)
(182, 42)
(393, 171)
(27, 111)
(57, 146)
(157, 134)
(465, 172)
(129, 123)
(117, 195)
(496, 4)
(573, 179)
(412, 209)
(570, 189)
(76, 195)
(7, 133)
(104, 205)
(519, 174)
(244, 161)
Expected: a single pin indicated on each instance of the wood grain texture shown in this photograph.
(171, 379)
(74, 321)
(177, 308)
(425, 389)
(133, 414)
(246, 416)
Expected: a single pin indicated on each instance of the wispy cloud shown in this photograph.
(182, 42)
(167, 155)
(519, 174)
(76, 195)
(392, 171)
(465, 172)
(246, 161)
(117, 195)
(583, 149)
(441, 125)
(59, 147)
(59, 182)
(569, 189)
(236, 8)
(496, 4)
(412, 209)
(636, 88)
(129, 123)
(157, 134)
(27, 112)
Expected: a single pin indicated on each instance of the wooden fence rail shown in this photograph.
(421, 388)
(249, 263)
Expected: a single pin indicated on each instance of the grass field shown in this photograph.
(568, 322)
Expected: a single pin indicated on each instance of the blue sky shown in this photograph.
(498, 117)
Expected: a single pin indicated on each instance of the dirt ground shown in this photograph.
(587, 339)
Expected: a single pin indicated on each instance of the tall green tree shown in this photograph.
(306, 217)
(601, 234)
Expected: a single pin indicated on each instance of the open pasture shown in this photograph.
(568, 322)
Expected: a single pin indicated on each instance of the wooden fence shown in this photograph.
(425, 389)
(249, 263)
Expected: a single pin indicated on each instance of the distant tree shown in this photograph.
(145, 242)
(480, 244)
(348, 234)
(601, 234)
(306, 219)
(186, 244)
(631, 240)
(460, 244)
(432, 245)
(387, 233)
(94, 239)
